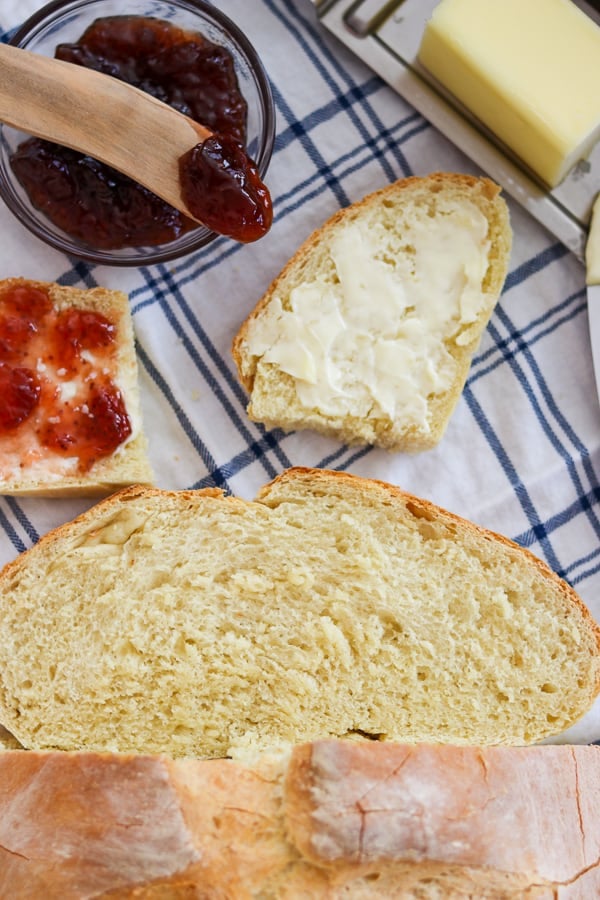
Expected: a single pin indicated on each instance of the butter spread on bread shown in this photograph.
(201, 625)
(368, 333)
(330, 820)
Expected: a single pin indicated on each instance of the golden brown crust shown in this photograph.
(332, 820)
(79, 825)
(130, 463)
(8, 741)
(372, 805)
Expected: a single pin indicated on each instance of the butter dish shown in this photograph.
(388, 36)
(541, 99)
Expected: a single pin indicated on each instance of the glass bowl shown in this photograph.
(64, 21)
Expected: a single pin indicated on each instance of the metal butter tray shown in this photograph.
(386, 35)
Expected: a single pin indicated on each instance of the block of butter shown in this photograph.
(530, 71)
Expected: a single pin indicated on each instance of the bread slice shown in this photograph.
(331, 820)
(367, 334)
(30, 465)
(200, 625)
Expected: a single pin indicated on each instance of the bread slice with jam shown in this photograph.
(70, 421)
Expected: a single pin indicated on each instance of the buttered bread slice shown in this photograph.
(367, 334)
(195, 624)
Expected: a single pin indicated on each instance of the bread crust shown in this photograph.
(283, 408)
(8, 741)
(130, 463)
(332, 819)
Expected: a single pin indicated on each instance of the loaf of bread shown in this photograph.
(200, 625)
(331, 820)
(71, 424)
(367, 334)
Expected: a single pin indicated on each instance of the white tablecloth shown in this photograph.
(522, 451)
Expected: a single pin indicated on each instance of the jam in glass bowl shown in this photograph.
(184, 52)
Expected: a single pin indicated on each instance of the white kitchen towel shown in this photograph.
(522, 452)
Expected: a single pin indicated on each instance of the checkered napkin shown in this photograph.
(522, 452)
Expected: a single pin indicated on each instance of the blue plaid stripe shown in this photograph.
(11, 532)
(522, 451)
(520, 343)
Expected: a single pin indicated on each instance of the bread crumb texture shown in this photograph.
(367, 334)
(198, 625)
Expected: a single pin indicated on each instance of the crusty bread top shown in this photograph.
(394, 379)
(199, 625)
(331, 820)
(522, 815)
(46, 474)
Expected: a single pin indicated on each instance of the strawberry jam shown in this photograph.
(90, 430)
(20, 390)
(105, 209)
(57, 367)
(222, 188)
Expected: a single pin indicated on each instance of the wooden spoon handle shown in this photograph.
(100, 116)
